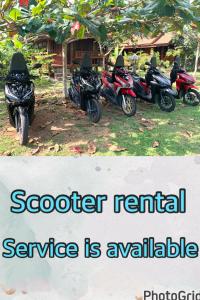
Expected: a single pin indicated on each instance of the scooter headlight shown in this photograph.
(29, 93)
(87, 85)
(99, 84)
(9, 94)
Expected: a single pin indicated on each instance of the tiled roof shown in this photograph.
(163, 39)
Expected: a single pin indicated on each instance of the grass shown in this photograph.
(61, 129)
(174, 134)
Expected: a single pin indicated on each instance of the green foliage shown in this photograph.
(57, 18)
(185, 47)
(115, 18)
(110, 22)
(116, 52)
(9, 46)
(142, 59)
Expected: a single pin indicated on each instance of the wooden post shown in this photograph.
(197, 58)
(64, 61)
(48, 46)
(104, 61)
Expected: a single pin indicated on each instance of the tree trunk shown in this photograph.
(197, 58)
(64, 61)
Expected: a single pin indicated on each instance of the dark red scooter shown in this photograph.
(184, 84)
(118, 88)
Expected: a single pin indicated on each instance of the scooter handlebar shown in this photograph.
(34, 77)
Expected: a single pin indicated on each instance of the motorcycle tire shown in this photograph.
(192, 97)
(129, 106)
(94, 110)
(31, 114)
(11, 116)
(23, 126)
(167, 103)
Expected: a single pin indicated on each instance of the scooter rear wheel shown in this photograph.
(129, 105)
(94, 110)
(192, 97)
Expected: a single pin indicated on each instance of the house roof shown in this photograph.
(163, 39)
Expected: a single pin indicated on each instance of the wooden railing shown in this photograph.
(92, 54)
(57, 60)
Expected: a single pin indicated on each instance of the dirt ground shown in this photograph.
(58, 123)
(60, 129)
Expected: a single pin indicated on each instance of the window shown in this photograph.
(42, 45)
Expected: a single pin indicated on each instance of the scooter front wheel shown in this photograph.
(192, 97)
(22, 127)
(94, 110)
(129, 105)
(167, 103)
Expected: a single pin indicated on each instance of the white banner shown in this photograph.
(98, 278)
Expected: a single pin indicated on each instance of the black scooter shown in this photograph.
(19, 96)
(85, 90)
(155, 88)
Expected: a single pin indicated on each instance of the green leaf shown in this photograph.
(62, 35)
(14, 14)
(97, 31)
(17, 43)
(37, 10)
(33, 25)
(81, 33)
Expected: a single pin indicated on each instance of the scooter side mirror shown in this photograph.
(153, 62)
(37, 66)
(76, 62)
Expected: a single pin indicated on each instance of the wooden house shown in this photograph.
(76, 49)
(162, 43)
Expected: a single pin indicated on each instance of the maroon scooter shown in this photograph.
(184, 84)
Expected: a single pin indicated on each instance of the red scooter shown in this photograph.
(184, 84)
(118, 88)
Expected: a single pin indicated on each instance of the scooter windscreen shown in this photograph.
(18, 67)
(119, 68)
(177, 61)
(86, 65)
(176, 69)
(120, 62)
(153, 62)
